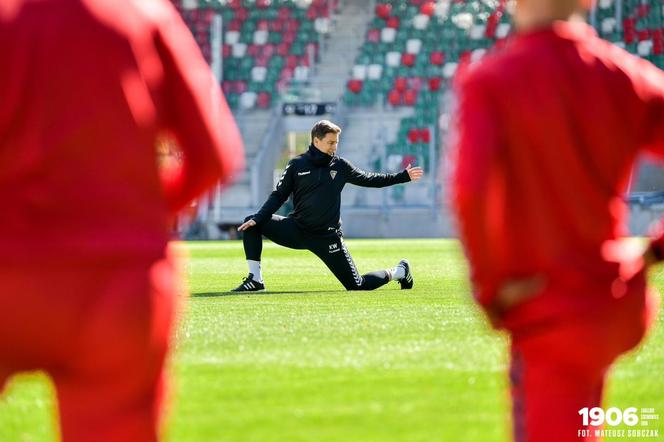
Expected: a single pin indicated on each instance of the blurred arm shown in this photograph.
(477, 143)
(195, 111)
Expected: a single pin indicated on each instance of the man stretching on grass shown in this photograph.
(316, 179)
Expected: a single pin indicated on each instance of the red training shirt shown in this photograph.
(548, 130)
(86, 88)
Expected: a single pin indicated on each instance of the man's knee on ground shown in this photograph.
(355, 286)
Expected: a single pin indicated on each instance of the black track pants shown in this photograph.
(330, 248)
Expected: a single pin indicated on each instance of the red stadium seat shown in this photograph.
(437, 58)
(263, 25)
(415, 83)
(291, 61)
(264, 99)
(355, 86)
(253, 50)
(394, 97)
(235, 25)
(393, 22)
(283, 49)
(425, 135)
(383, 10)
(408, 160)
(292, 25)
(408, 59)
(428, 8)
(400, 84)
(276, 26)
(284, 13)
(288, 37)
(414, 135)
(286, 74)
(629, 35)
(261, 60)
(410, 97)
(642, 10)
(435, 83)
(643, 34)
(242, 14)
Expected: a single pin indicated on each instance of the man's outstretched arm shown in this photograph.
(362, 178)
(279, 196)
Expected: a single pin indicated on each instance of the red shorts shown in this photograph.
(559, 365)
(102, 332)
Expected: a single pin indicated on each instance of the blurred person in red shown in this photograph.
(547, 132)
(87, 287)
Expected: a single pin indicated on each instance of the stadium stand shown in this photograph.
(266, 45)
(412, 50)
(392, 80)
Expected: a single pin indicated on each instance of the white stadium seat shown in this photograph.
(359, 72)
(477, 32)
(393, 59)
(413, 46)
(449, 69)
(248, 100)
(301, 73)
(258, 74)
(232, 37)
(421, 21)
(463, 20)
(387, 35)
(322, 25)
(477, 54)
(260, 37)
(608, 25)
(605, 4)
(503, 30)
(239, 50)
(644, 48)
(375, 71)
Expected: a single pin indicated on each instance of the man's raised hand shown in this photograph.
(246, 225)
(415, 173)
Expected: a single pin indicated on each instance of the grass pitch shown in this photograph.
(308, 361)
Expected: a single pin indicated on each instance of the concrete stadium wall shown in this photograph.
(428, 223)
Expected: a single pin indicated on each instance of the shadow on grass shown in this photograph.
(265, 293)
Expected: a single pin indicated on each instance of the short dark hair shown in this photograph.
(322, 128)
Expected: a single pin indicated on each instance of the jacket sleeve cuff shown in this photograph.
(258, 218)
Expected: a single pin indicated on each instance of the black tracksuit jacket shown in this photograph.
(316, 180)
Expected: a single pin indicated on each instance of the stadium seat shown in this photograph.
(355, 86)
(408, 59)
(262, 31)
